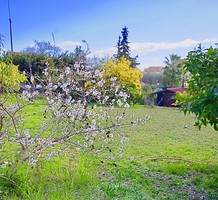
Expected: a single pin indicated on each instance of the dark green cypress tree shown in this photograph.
(123, 49)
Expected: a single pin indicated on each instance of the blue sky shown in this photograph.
(157, 28)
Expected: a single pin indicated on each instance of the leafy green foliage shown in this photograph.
(149, 98)
(126, 76)
(172, 71)
(35, 61)
(31, 63)
(10, 77)
(202, 91)
(152, 78)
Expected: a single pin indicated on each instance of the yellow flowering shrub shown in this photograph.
(10, 77)
(125, 74)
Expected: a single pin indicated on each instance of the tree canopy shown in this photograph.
(152, 79)
(43, 47)
(10, 77)
(123, 48)
(172, 75)
(202, 91)
(125, 75)
(34, 62)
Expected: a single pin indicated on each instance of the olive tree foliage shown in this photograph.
(202, 91)
(76, 111)
(32, 60)
(31, 63)
(43, 47)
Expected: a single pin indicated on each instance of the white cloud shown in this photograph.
(105, 53)
(156, 46)
(145, 47)
(69, 45)
(155, 58)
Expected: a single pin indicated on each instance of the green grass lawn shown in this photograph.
(172, 160)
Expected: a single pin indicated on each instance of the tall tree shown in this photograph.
(124, 44)
(10, 77)
(43, 47)
(31, 63)
(202, 91)
(172, 71)
(123, 48)
(35, 63)
(126, 76)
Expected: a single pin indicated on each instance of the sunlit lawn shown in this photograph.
(172, 160)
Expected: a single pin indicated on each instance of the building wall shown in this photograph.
(154, 69)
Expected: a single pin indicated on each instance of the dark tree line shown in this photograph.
(32, 60)
(152, 79)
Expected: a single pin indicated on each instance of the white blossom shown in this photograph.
(31, 79)
(106, 97)
(113, 79)
(67, 71)
(48, 157)
(127, 106)
(119, 102)
(38, 86)
(124, 139)
(101, 83)
(131, 158)
(4, 165)
(120, 156)
(26, 133)
(45, 72)
(93, 123)
(32, 161)
(78, 148)
(27, 87)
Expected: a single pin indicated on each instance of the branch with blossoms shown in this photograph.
(80, 111)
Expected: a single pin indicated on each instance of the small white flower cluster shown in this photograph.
(24, 139)
(4, 164)
(141, 121)
(28, 95)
